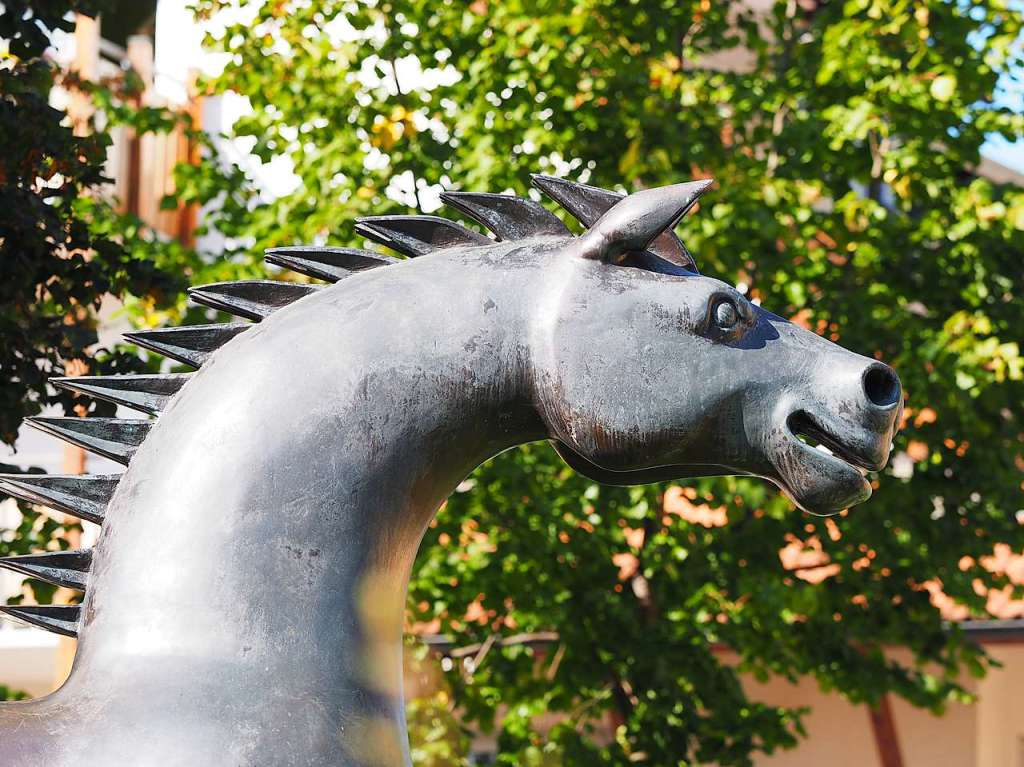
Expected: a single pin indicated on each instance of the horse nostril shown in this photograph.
(882, 385)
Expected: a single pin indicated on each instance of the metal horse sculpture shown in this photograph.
(244, 603)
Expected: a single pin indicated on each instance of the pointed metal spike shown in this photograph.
(588, 203)
(331, 264)
(252, 299)
(69, 569)
(85, 496)
(584, 202)
(190, 344)
(418, 235)
(634, 222)
(60, 619)
(113, 438)
(509, 217)
(148, 393)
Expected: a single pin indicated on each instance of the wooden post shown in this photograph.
(883, 727)
(86, 65)
(190, 153)
(75, 457)
(139, 191)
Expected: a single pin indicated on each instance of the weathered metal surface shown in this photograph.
(588, 203)
(252, 299)
(509, 217)
(322, 263)
(246, 599)
(69, 569)
(190, 345)
(146, 393)
(632, 225)
(60, 619)
(417, 235)
(113, 438)
(81, 495)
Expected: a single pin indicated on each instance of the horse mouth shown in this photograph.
(822, 472)
(810, 432)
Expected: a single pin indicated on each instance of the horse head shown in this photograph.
(646, 370)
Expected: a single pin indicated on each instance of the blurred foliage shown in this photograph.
(64, 247)
(437, 737)
(55, 267)
(6, 693)
(842, 146)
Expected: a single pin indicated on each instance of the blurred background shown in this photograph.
(868, 169)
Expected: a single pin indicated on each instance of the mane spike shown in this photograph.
(148, 393)
(417, 235)
(509, 217)
(113, 438)
(583, 202)
(189, 344)
(84, 496)
(634, 222)
(60, 619)
(252, 299)
(69, 569)
(588, 203)
(330, 264)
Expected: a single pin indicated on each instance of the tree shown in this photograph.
(842, 148)
(60, 249)
(49, 283)
(63, 246)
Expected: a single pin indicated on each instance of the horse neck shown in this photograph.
(266, 528)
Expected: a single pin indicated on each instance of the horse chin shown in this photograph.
(604, 476)
(827, 495)
(818, 483)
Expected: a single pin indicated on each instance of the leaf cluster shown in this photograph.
(64, 247)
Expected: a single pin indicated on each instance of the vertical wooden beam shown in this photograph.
(75, 457)
(140, 58)
(883, 727)
(189, 152)
(139, 191)
(65, 657)
(87, 66)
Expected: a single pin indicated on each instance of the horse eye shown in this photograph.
(726, 315)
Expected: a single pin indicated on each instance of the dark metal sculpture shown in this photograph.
(244, 603)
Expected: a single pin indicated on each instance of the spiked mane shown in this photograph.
(617, 226)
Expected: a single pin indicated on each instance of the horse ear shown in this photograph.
(635, 221)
